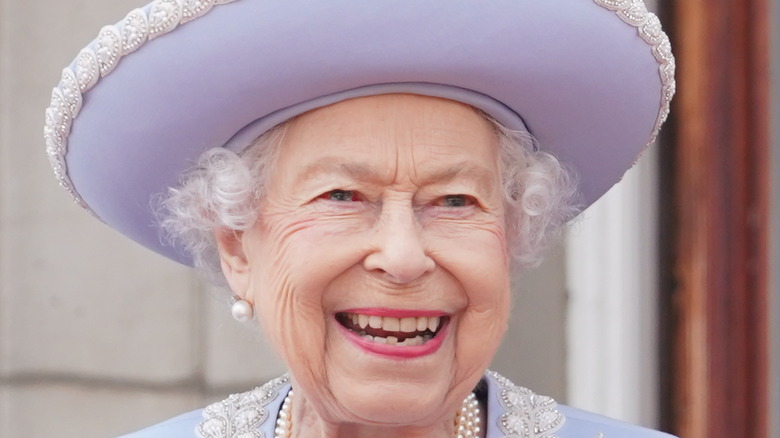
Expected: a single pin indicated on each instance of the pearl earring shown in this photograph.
(241, 310)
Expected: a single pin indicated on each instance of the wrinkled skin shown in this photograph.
(388, 202)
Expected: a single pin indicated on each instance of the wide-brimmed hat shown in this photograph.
(590, 79)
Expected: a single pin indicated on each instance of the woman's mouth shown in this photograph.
(409, 331)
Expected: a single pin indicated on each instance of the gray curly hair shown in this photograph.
(223, 190)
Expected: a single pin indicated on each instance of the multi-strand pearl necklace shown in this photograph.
(466, 424)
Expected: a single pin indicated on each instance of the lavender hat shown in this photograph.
(590, 79)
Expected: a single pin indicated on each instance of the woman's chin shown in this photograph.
(402, 404)
(385, 384)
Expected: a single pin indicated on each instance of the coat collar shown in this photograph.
(512, 411)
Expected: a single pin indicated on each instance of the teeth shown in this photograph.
(411, 342)
(409, 325)
(391, 324)
(392, 340)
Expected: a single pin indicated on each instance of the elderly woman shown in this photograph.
(363, 177)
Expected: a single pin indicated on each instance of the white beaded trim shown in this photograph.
(527, 414)
(635, 13)
(164, 16)
(194, 9)
(240, 415)
(99, 59)
(135, 31)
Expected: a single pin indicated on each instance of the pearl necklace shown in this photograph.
(466, 424)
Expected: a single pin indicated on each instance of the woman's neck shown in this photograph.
(307, 423)
(352, 430)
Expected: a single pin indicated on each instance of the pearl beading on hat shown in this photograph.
(635, 13)
(101, 58)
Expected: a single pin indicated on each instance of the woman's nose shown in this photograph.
(399, 252)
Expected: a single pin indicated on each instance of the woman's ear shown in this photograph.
(235, 265)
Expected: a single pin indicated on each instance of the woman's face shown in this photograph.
(379, 266)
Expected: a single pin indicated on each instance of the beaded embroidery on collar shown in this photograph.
(526, 415)
(240, 415)
(98, 60)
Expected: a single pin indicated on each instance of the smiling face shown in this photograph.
(378, 266)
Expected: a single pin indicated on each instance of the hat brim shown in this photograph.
(584, 80)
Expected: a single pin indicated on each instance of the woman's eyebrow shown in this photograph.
(484, 178)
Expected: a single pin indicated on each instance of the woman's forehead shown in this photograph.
(390, 131)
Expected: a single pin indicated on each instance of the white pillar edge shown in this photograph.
(612, 357)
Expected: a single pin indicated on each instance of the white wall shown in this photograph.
(613, 288)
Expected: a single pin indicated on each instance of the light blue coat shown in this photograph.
(512, 412)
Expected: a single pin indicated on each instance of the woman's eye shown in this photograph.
(456, 201)
(340, 195)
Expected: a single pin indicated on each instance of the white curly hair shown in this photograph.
(224, 188)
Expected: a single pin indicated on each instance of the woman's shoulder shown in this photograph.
(583, 424)
(514, 410)
(511, 409)
(182, 426)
